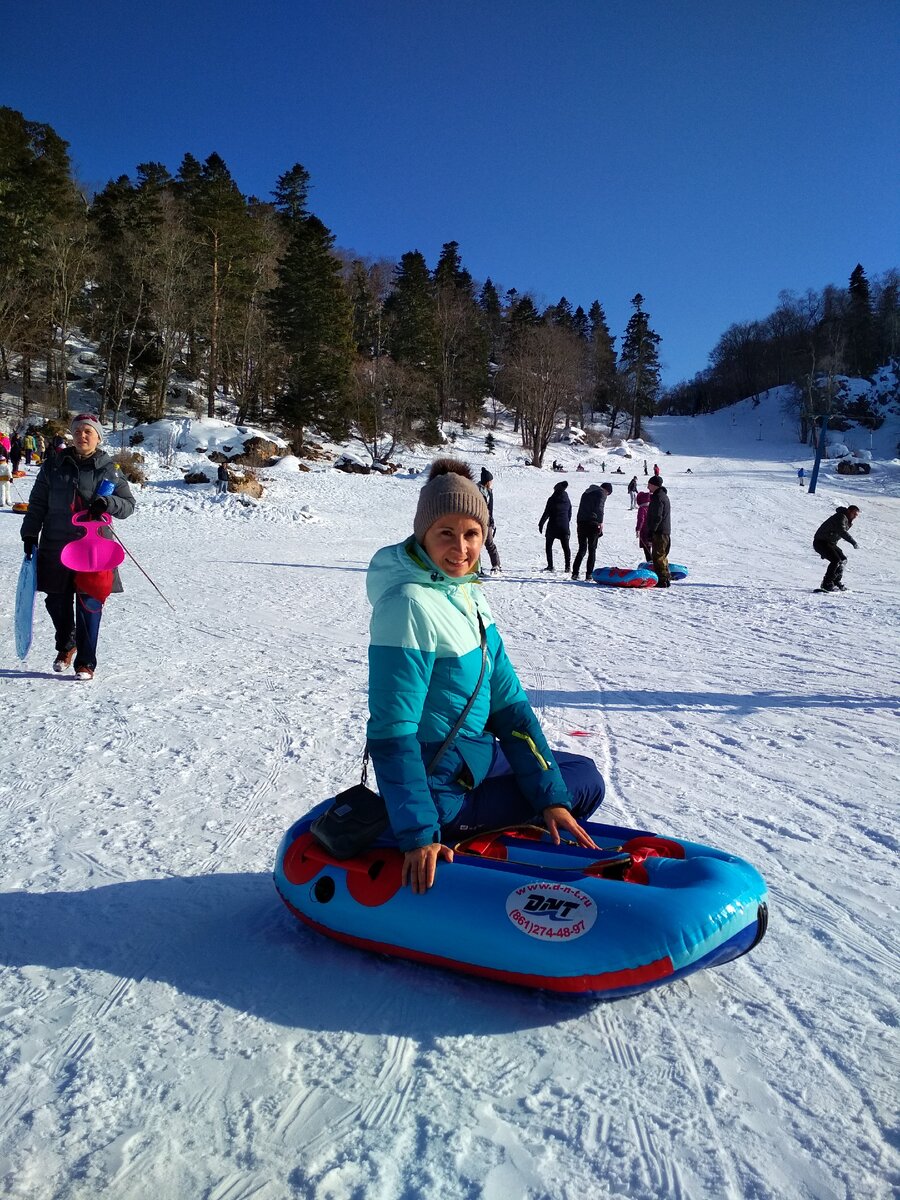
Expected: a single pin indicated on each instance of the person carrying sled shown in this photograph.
(73, 481)
(435, 654)
(632, 492)
(659, 528)
(557, 516)
(486, 487)
(825, 544)
(589, 526)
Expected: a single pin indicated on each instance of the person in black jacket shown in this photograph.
(825, 544)
(659, 527)
(589, 525)
(82, 478)
(486, 487)
(558, 518)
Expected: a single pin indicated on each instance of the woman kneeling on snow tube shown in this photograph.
(431, 632)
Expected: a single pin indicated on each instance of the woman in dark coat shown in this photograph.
(558, 518)
(76, 480)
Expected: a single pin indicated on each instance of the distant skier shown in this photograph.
(589, 525)
(825, 544)
(486, 487)
(632, 492)
(801, 475)
(659, 526)
(557, 516)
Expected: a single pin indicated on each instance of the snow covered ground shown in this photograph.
(170, 1031)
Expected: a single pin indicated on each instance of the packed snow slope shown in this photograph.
(170, 1031)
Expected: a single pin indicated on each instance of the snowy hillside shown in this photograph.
(170, 1031)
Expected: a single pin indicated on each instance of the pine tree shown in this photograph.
(312, 318)
(861, 338)
(603, 360)
(490, 443)
(41, 212)
(219, 215)
(413, 338)
(639, 366)
(463, 365)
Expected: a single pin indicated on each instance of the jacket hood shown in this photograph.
(406, 562)
(643, 497)
(561, 487)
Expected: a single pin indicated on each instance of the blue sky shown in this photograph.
(705, 153)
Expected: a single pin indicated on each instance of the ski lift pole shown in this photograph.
(142, 571)
(820, 450)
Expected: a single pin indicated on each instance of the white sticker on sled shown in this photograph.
(552, 911)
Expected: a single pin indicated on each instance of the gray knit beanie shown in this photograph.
(450, 490)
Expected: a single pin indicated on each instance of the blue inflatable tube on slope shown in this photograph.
(676, 570)
(625, 577)
(640, 912)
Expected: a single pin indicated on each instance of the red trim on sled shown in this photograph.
(608, 981)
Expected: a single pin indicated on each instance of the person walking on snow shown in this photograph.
(80, 479)
(15, 453)
(825, 544)
(655, 469)
(800, 474)
(28, 445)
(659, 527)
(632, 492)
(557, 516)
(222, 479)
(589, 526)
(486, 487)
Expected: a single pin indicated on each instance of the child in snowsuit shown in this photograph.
(558, 517)
(825, 544)
(5, 481)
(643, 502)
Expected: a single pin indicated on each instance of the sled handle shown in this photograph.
(84, 518)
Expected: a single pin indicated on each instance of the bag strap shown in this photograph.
(448, 740)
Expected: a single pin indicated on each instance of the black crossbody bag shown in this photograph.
(358, 816)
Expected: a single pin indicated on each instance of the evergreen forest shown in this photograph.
(182, 277)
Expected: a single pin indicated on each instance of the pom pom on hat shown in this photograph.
(450, 491)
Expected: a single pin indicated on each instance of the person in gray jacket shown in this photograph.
(80, 479)
(825, 544)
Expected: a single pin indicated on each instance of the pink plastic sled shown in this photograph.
(92, 552)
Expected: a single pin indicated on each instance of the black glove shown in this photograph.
(29, 545)
(98, 507)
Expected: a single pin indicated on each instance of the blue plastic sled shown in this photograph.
(26, 593)
(676, 570)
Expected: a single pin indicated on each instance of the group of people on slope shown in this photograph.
(653, 526)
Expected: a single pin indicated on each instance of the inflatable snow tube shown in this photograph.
(625, 577)
(641, 911)
(676, 570)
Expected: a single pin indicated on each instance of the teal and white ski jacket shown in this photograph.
(424, 662)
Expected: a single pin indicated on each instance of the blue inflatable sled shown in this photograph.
(640, 912)
(624, 577)
(676, 570)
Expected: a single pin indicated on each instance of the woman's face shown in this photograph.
(86, 440)
(454, 543)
